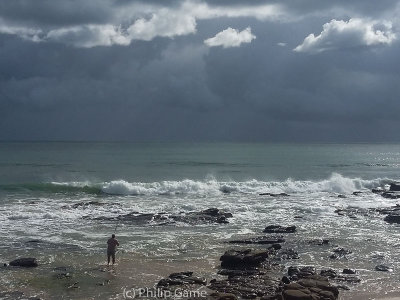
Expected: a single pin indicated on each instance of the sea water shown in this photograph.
(40, 183)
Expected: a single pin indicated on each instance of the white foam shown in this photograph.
(336, 183)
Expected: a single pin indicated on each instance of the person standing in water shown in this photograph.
(112, 245)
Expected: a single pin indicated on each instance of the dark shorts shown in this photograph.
(111, 253)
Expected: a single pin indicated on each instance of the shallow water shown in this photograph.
(40, 182)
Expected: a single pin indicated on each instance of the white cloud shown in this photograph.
(350, 34)
(282, 44)
(146, 22)
(230, 38)
(164, 23)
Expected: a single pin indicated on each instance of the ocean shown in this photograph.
(45, 188)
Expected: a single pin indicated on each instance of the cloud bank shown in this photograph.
(140, 70)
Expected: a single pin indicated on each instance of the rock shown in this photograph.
(330, 273)
(349, 271)
(395, 187)
(391, 195)
(339, 253)
(296, 273)
(377, 190)
(296, 295)
(279, 229)
(392, 210)
(243, 259)
(352, 212)
(248, 287)
(181, 279)
(319, 242)
(211, 215)
(286, 254)
(312, 289)
(383, 268)
(24, 262)
(275, 247)
(342, 196)
(392, 219)
(357, 193)
(223, 296)
(348, 278)
(259, 240)
(275, 195)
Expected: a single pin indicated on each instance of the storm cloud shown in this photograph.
(199, 70)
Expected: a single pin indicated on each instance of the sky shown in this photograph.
(200, 70)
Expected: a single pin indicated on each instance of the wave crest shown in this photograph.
(336, 183)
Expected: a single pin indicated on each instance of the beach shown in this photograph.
(180, 207)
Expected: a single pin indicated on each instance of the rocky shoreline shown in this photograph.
(262, 270)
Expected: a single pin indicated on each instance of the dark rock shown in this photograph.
(392, 210)
(243, 259)
(296, 273)
(319, 242)
(349, 271)
(348, 278)
(340, 252)
(24, 262)
(395, 187)
(286, 254)
(392, 219)
(275, 195)
(259, 240)
(285, 280)
(352, 212)
(211, 215)
(357, 193)
(310, 289)
(391, 195)
(181, 278)
(330, 273)
(342, 196)
(223, 296)
(235, 272)
(279, 229)
(248, 287)
(383, 268)
(275, 247)
(377, 190)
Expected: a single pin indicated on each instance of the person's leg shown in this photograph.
(113, 258)
(108, 258)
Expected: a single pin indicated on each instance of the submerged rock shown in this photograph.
(260, 240)
(279, 229)
(391, 195)
(319, 242)
(211, 215)
(275, 195)
(383, 268)
(28, 262)
(340, 252)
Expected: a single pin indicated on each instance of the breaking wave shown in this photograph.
(336, 183)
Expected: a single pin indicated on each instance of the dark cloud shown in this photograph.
(180, 89)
